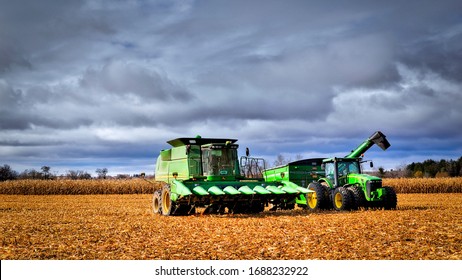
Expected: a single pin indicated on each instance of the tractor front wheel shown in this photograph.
(342, 199)
(390, 201)
(358, 197)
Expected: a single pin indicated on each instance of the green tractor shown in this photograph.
(346, 187)
(206, 172)
(337, 182)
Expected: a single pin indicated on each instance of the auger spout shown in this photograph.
(377, 138)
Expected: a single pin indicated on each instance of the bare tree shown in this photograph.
(6, 173)
(281, 160)
(46, 172)
(102, 172)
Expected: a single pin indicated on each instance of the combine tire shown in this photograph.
(156, 202)
(390, 201)
(318, 199)
(166, 202)
(343, 199)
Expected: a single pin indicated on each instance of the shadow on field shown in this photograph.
(302, 212)
(418, 208)
(287, 213)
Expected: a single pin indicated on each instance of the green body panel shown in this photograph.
(301, 172)
(363, 180)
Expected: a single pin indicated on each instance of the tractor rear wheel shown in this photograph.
(342, 199)
(317, 199)
(167, 203)
(358, 196)
(156, 202)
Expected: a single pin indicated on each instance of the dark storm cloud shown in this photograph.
(292, 76)
(123, 78)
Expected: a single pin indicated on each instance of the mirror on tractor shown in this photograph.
(371, 164)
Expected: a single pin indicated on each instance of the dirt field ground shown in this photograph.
(425, 226)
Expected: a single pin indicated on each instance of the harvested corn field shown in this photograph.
(425, 226)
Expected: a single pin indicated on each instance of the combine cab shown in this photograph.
(206, 172)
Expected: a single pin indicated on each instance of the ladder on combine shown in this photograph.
(252, 167)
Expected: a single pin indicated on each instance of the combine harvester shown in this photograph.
(337, 183)
(206, 172)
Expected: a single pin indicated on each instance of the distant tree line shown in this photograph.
(430, 168)
(6, 173)
(426, 169)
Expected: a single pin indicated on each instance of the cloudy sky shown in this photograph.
(93, 84)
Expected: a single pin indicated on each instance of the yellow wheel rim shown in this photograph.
(338, 199)
(166, 200)
(312, 200)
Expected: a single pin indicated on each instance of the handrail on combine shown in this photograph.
(252, 167)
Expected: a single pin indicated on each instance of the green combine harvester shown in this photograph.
(338, 183)
(206, 172)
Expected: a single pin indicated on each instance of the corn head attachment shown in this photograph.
(206, 172)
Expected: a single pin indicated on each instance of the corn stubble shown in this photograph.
(425, 226)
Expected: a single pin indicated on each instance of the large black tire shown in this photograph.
(170, 208)
(391, 200)
(156, 202)
(318, 199)
(358, 197)
(166, 202)
(342, 199)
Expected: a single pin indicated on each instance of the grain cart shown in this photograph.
(206, 172)
(346, 187)
(338, 182)
(301, 172)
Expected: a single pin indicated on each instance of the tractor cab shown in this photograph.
(338, 169)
